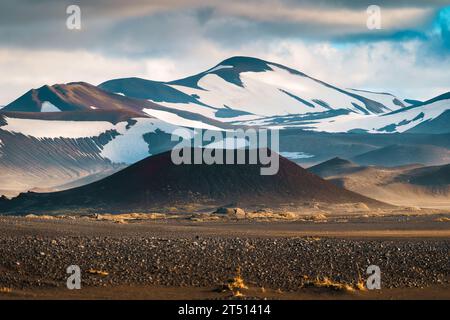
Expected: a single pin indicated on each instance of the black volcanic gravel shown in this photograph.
(28, 261)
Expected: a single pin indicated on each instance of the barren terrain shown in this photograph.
(140, 256)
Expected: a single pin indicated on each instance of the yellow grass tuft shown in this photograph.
(236, 285)
(326, 282)
(125, 217)
(237, 282)
(360, 285)
(237, 294)
(98, 272)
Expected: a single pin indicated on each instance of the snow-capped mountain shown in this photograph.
(250, 91)
(242, 88)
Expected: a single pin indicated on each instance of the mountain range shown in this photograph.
(241, 90)
(68, 134)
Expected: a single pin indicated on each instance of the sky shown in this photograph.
(408, 56)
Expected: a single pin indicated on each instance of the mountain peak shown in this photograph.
(252, 64)
(243, 61)
(73, 97)
(333, 166)
(336, 161)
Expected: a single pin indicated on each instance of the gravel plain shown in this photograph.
(35, 255)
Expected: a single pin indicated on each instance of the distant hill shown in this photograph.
(333, 167)
(434, 176)
(156, 182)
(411, 185)
(398, 155)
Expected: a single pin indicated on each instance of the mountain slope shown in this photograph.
(156, 182)
(385, 98)
(76, 96)
(412, 185)
(147, 89)
(429, 117)
(335, 166)
(398, 155)
(436, 125)
(28, 162)
(428, 176)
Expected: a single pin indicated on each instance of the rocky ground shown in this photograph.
(35, 254)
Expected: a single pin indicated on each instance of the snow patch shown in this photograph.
(219, 67)
(178, 121)
(296, 155)
(130, 146)
(384, 98)
(191, 107)
(49, 107)
(57, 128)
(400, 121)
(228, 143)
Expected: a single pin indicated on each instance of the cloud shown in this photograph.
(42, 24)
(169, 39)
(351, 19)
